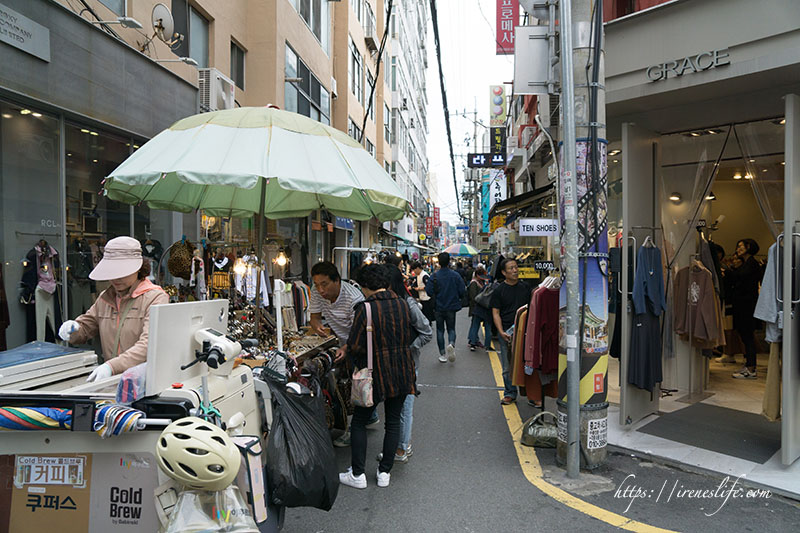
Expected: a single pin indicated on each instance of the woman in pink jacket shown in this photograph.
(121, 314)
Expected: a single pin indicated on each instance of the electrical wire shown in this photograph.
(377, 71)
(435, 21)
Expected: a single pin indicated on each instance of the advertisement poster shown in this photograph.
(592, 237)
(78, 493)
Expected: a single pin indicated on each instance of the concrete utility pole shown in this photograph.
(585, 249)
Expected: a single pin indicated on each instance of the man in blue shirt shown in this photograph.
(447, 288)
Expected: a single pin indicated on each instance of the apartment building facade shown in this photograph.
(95, 80)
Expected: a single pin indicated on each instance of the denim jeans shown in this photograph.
(391, 437)
(447, 318)
(505, 353)
(407, 420)
(475, 330)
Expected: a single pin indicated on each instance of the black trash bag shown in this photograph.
(301, 464)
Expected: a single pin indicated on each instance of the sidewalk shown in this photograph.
(772, 475)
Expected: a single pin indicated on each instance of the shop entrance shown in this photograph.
(699, 192)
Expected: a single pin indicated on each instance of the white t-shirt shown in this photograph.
(339, 314)
(423, 296)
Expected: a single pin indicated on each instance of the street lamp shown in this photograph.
(125, 22)
(187, 60)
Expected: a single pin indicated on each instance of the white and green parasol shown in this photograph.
(228, 162)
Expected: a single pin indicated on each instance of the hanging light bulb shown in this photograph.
(281, 259)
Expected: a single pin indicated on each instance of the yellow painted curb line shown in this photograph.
(533, 470)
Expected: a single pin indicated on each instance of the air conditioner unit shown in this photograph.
(333, 88)
(217, 91)
(370, 39)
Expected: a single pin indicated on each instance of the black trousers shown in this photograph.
(749, 340)
(391, 438)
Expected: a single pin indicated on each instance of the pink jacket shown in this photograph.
(103, 319)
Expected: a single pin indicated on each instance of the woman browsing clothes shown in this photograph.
(121, 314)
(742, 276)
(393, 376)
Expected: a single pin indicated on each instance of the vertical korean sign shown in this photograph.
(497, 106)
(485, 204)
(507, 19)
(497, 187)
(436, 216)
(429, 226)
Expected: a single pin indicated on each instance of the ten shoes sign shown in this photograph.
(537, 227)
(689, 64)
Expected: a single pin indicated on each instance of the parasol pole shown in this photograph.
(260, 233)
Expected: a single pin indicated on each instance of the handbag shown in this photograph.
(541, 434)
(361, 391)
(484, 298)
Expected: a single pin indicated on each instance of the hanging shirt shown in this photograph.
(648, 282)
(695, 315)
(767, 305)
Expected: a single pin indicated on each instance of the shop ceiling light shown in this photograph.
(782, 121)
(94, 133)
(84, 130)
(615, 152)
(675, 197)
(748, 176)
(69, 154)
(94, 160)
(37, 115)
(752, 160)
(6, 115)
(24, 111)
(737, 176)
(783, 163)
(694, 134)
(615, 160)
(711, 196)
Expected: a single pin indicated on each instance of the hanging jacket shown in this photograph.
(694, 297)
(104, 316)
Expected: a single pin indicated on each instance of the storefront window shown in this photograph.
(30, 216)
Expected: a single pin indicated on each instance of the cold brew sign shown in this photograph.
(537, 227)
(691, 63)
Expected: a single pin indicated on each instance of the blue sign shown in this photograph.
(485, 205)
(462, 228)
(344, 223)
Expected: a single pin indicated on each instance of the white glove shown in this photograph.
(67, 329)
(100, 373)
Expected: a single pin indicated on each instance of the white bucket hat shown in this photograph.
(122, 257)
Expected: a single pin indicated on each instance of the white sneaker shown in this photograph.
(727, 358)
(357, 482)
(383, 479)
(451, 352)
(443, 358)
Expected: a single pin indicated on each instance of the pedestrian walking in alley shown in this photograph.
(480, 315)
(333, 300)
(507, 298)
(392, 370)
(423, 333)
(418, 291)
(447, 288)
(743, 277)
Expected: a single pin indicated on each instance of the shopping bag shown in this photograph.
(301, 464)
(484, 298)
(361, 391)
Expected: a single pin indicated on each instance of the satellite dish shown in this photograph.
(163, 25)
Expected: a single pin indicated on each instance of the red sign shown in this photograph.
(429, 226)
(507, 19)
(598, 383)
(436, 216)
